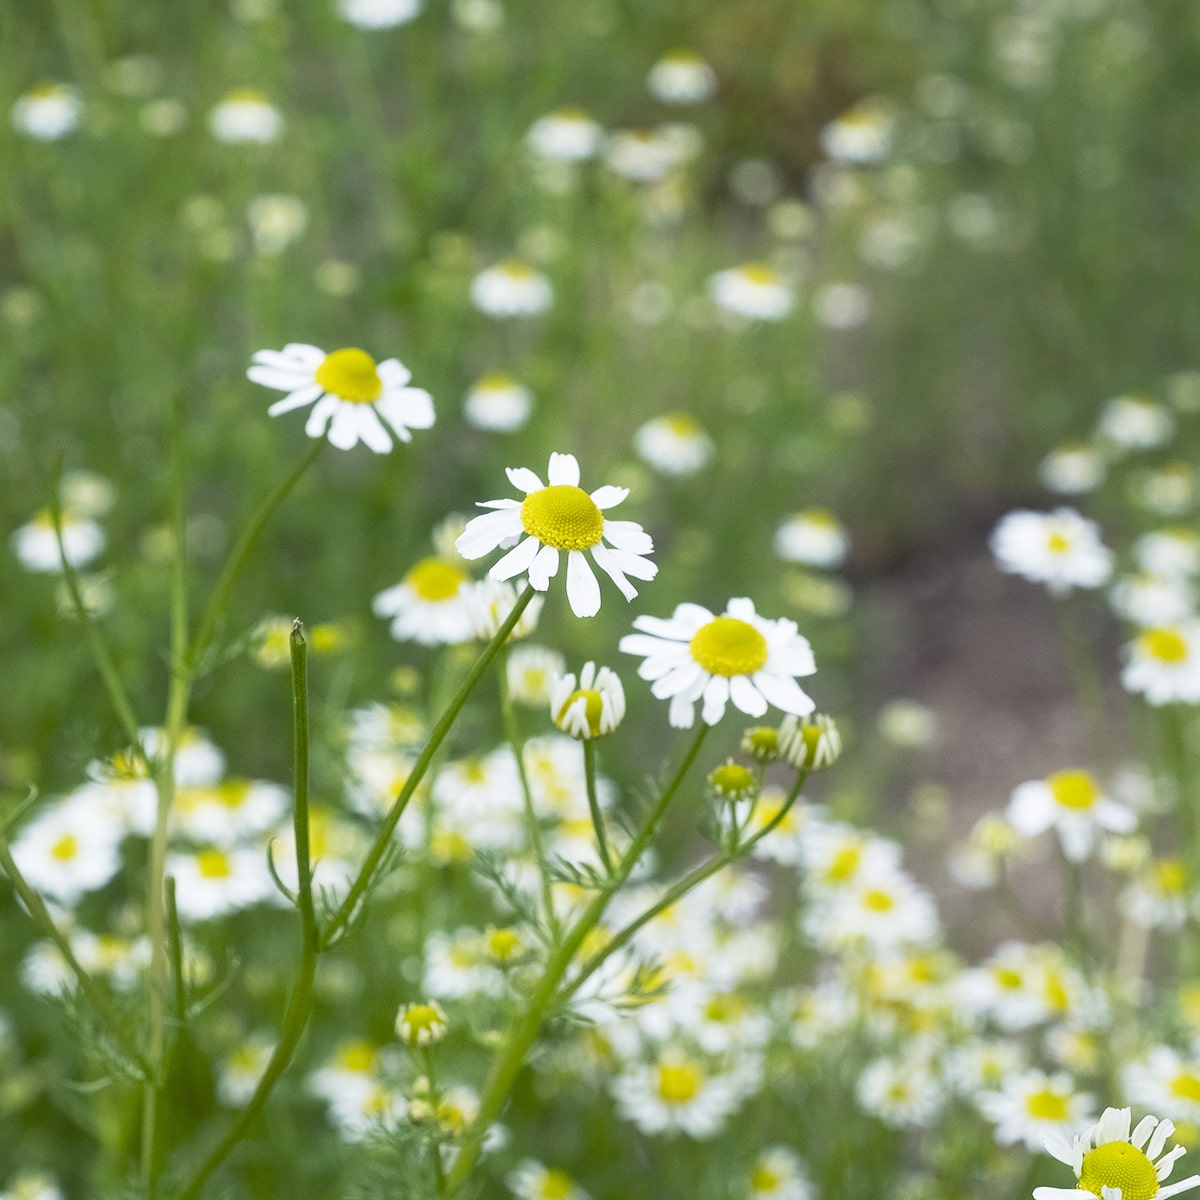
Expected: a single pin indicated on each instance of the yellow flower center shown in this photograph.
(1119, 1165)
(822, 518)
(1166, 645)
(1007, 978)
(557, 1185)
(350, 375)
(66, 848)
(1186, 1086)
(232, 794)
(1168, 875)
(420, 1019)
(516, 270)
(844, 864)
(213, 864)
(724, 1007)
(878, 900)
(503, 944)
(562, 516)
(681, 425)
(434, 580)
(678, 1083)
(1058, 543)
(358, 1057)
(593, 706)
(1046, 1106)
(496, 383)
(764, 1180)
(732, 780)
(727, 646)
(1074, 789)
(245, 96)
(759, 273)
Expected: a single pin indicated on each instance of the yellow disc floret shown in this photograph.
(562, 516)
(350, 374)
(1119, 1165)
(1165, 645)
(1074, 789)
(433, 579)
(557, 1185)
(213, 864)
(678, 1083)
(727, 646)
(593, 708)
(1047, 1106)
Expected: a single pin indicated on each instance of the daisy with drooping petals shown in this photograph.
(736, 656)
(354, 398)
(596, 706)
(1115, 1163)
(557, 517)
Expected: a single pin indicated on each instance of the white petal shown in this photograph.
(517, 560)
(683, 678)
(393, 372)
(716, 695)
(1166, 1164)
(524, 480)
(583, 590)
(628, 535)
(483, 534)
(1159, 1140)
(305, 352)
(1113, 1126)
(671, 630)
(630, 564)
(564, 469)
(298, 399)
(1143, 1129)
(1030, 811)
(1110, 1193)
(343, 428)
(497, 504)
(1052, 1193)
(322, 413)
(1116, 817)
(746, 697)
(1058, 1147)
(743, 608)
(544, 568)
(1184, 1185)
(783, 692)
(609, 496)
(603, 556)
(280, 377)
(682, 713)
(645, 645)
(371, 429)
(409, 408)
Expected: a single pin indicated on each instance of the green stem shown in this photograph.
(92, 990)
(512, 731)
(435, 1095)
(508, 1061)
(379, 847)
(175, 939)
(589, 773)
(300, 1002)
(240, 555)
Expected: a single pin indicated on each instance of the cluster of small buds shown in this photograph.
(595, 707)
(421, 1024)
(809, 743)
(732, 781)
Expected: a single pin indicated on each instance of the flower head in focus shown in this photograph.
(354, 398)
(595, 706)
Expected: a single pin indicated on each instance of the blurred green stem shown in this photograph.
(589, 774)
(508, 1061)
(349, 906)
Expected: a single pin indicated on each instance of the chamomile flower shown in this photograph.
(676, 1094)
(1164, 1078)
(1072, 469)
(47, 112)
(213, 881)
(1116, 1163)
(490, 603)
(68, 850)
(498, 404)
(1033, 1106)
(531, 1180)
(354, 398)
(1072, 803)
(862, 134)
(754, 291)
(673, 444)
(595, 707)
(1135, 423)
(566, 135)
(643, 155)
(1152, 600)
(531, 672)
(739, 656)
(511, 289)
(423, 1023)
(378, 14)
(32, 1185)
(813, 537)
(1163, 664)
(899, 1092)
(558, 517)
(1171, 552)
(778, 1174)
(1060, 549)
(36, 544)
(1159, 897)
(228, 812)
(682, 77)
(239, 1074)
(245, 115)
(429, 605)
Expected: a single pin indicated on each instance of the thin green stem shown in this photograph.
(91, 990)
(175, 940)
(589, 774)
(435, 1095)
(300, 1002)
(240, 555)
(512, 731)
(508, 1061)
(349, 905)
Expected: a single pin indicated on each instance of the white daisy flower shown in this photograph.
(862, 134)
(566, 135)
(212, 882)
(199, 762)
(532, 672)
(87, 493)
(68, 850)
(498, 404)
(1033, 1106)
(36, 544)
(228, 812)
(1159, 897)
(32, 1185)
(1072, 470)
(899, 1092)
(1116, 1163)
(531, 1180)
(736, 656)
(1136, 423)
(754, 291)
(842, 305)
(682, 77)
(423, 1023)
(673, 444)
(778, 1174)
(276, 221)
(559, 517)
(1172, 552)
(1164, 1078)
(643, 155)
(48, 112)
(1163, 664)
(595, 707)
(354, 399)
(1151, 600)
(814, 537)
(245, 115)
(1169, 491)
(511, 289)
(1074, 804)
(378, 14)
(676, 1094)
(1060, 549)
(429, 605)
(239, 1073)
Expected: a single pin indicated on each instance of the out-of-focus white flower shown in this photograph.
(531, 672)
(682, 77)
(276, 221)
(842, 305)
(498, 404)
(643, 155)
(245, 115)
(1072, 470)
(212, 882)
(1135, 423)
(1163, 664)
(47, 112)
(1073, 803)
(814, 537)
(1172, 552)
(1032, 1106)
(1060, 549)
(862, 134)
(511, 289)
(753, 290)
(676, 1094)
(378, 14)
(565, 135)
(68, 849)
(673, 444)
(530, 1180)
(36, 544)
(429, 605)
(1150, 600)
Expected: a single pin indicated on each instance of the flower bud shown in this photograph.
(421, 1024)
(732, 781)
(596, 706)
(761, 743)
(810, 743)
